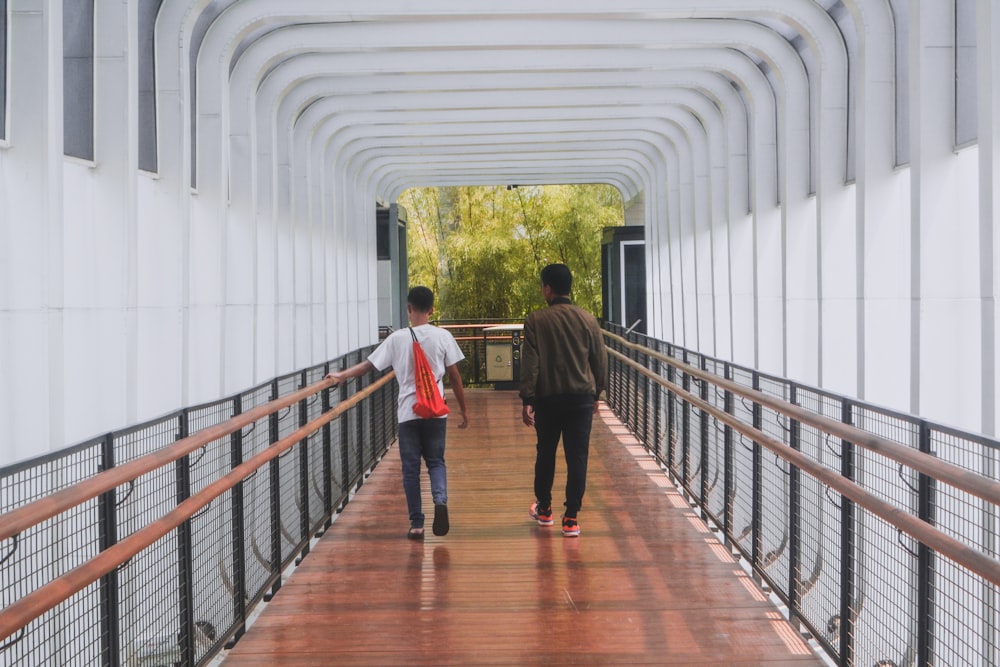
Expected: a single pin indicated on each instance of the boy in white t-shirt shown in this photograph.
(419, 438)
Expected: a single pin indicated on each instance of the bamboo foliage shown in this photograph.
(481, 248)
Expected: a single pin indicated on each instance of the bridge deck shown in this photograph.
(646, 583)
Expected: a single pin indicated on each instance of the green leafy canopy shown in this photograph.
(481, 248)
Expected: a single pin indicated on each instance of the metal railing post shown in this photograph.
(646, 387)
(686, 430)
(728, 475)
(359, 436)
(757, 535)
(274, 496)
(925, 559)
(847, 547)
(303, 447)
(345, 440)
(327, 457)
(107, 505)
(657, 409)
(671, 413)
(239, 530)
(185, 573)
(794, 517)
(633, 394)
(704, 444)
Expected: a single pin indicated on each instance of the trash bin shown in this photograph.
(503, 355)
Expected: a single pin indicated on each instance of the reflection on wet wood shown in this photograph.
(645, 584)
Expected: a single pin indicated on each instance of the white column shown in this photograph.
(945, 272)
(988, 52)
(31, 235)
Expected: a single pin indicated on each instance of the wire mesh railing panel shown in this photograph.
(774, 528)
(958, 513)
(150, 599)
(53, 547)
(681, 429)
(965, 633)
(743, 494)
(715, 473)
(179, 599)
(290, 511)
(255, 494)
(885, 607)
(144, 500)
(212, 573)
(258, 521)
(819, 544)
(868, 591)
(886, 560)
(208, 569)
(659, 446)
(965, 630)
(69, 634)
(315, 481)
(775, 483)
(891, 481)
(288, 419)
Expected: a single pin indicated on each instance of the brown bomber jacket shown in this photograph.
(562, 353)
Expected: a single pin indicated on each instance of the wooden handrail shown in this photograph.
(479, 338)
(966, 480)
(33, 513)
(961, 553)
(25, 610)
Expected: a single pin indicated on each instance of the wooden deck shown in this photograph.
(645, 583)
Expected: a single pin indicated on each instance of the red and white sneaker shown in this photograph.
(542, 515)
(570, 527)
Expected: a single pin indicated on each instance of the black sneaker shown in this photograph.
(441, 525)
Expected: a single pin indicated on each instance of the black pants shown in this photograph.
(569, 416)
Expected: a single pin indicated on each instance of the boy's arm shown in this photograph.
(456, 386)
(354, 371)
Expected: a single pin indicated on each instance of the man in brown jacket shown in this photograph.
(564, 368)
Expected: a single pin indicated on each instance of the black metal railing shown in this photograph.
(877, 529)
(190, 592)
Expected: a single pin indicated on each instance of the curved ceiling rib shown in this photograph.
(782, 39)
(239, 32)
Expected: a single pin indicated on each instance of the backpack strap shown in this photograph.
(413, 334)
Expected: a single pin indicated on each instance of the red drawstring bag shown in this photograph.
(430, 402)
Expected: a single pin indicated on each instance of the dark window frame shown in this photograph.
(146, 112)
(79, 45)
(3, 70)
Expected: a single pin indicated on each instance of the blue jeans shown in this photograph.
(423, 438)
(569, 416)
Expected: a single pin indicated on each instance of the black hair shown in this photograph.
(421, 298)
(559, 278)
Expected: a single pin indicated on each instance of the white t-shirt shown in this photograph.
(396, 352)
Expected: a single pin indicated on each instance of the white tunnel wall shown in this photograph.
(126, 294)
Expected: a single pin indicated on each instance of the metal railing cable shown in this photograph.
(41, 600)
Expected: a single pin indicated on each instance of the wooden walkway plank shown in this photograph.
(645, 584)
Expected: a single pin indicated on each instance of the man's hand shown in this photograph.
(465, 420)
(528, 415)
(337, 378)
(597, 407)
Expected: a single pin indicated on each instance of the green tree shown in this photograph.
(481, 248)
